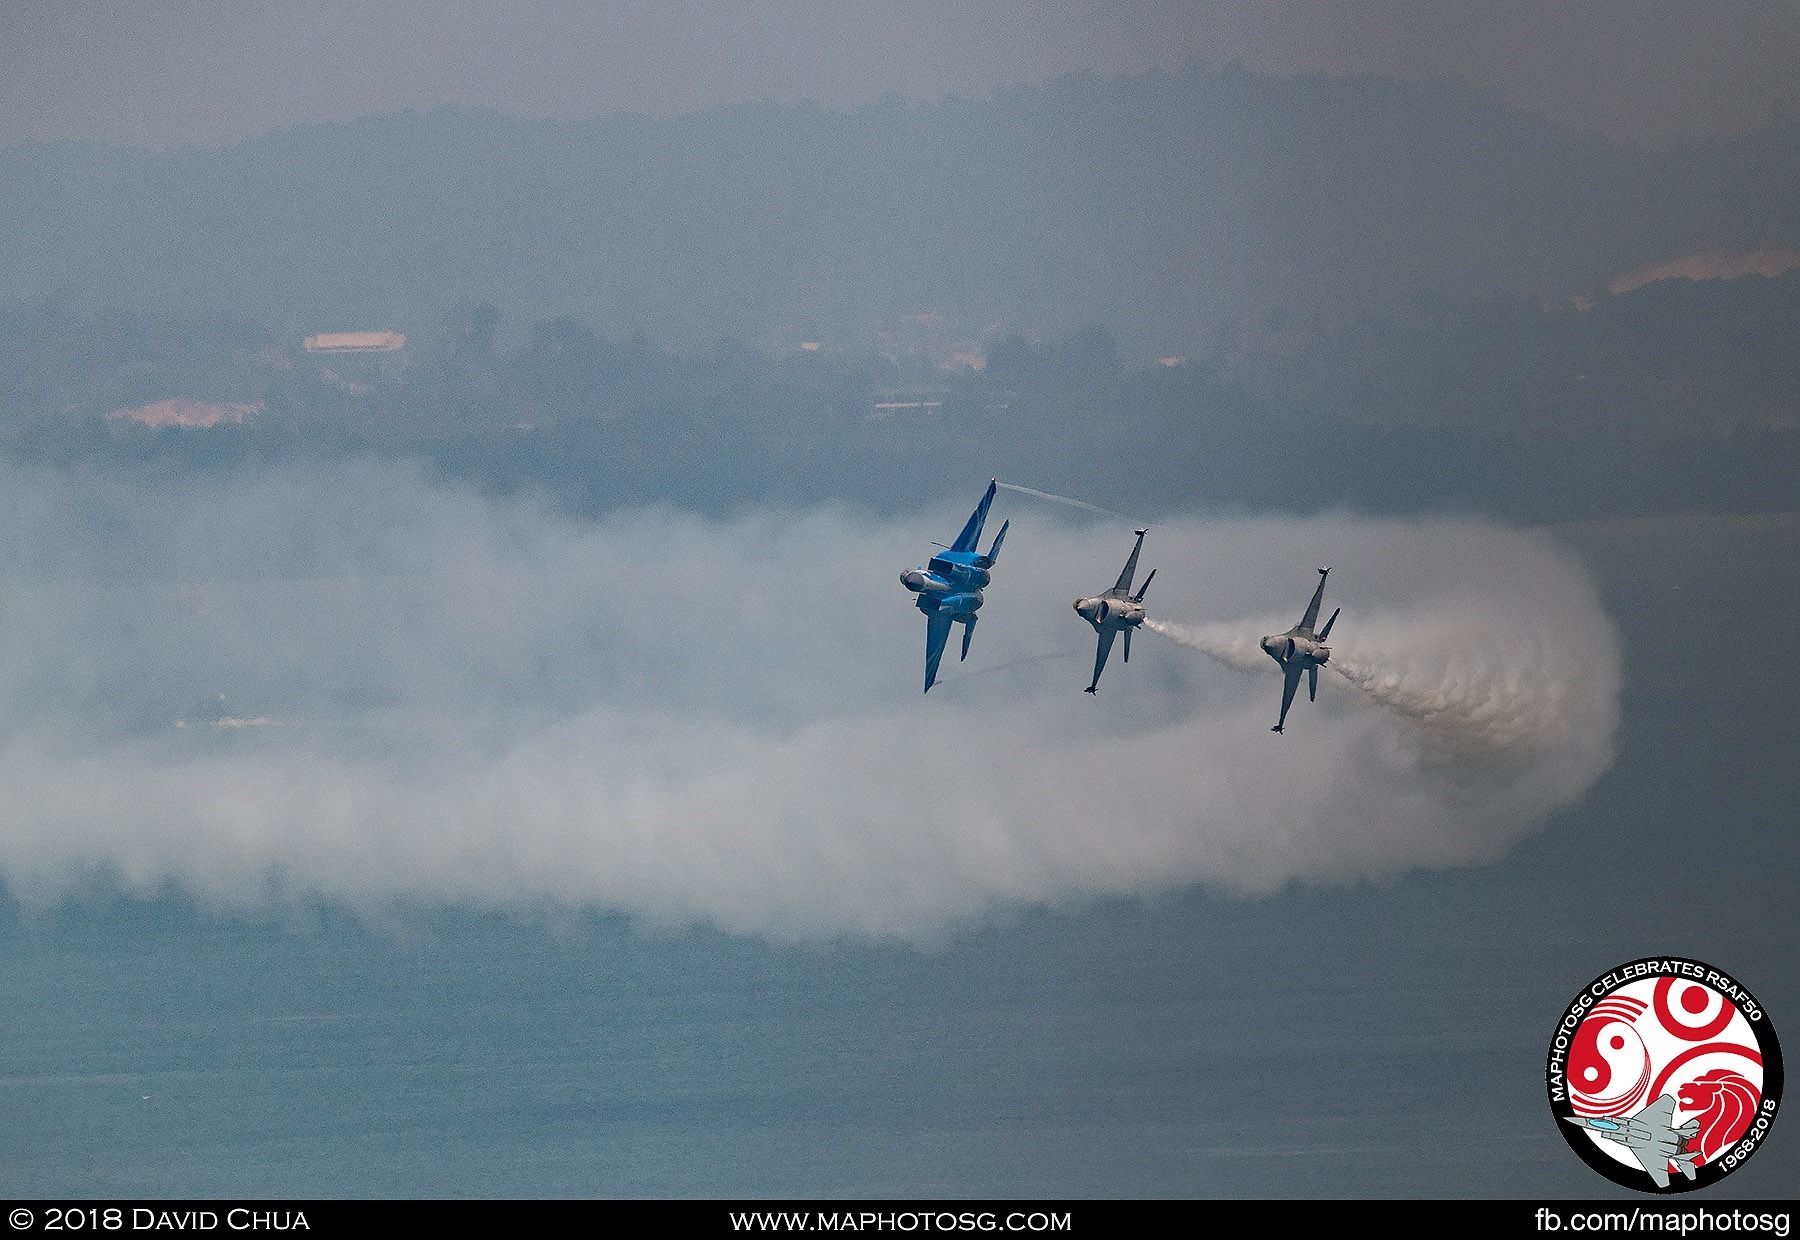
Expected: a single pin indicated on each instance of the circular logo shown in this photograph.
(1664, 1075)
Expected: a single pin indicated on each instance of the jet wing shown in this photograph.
(1657, 1167)
(1653, 1155)
(971, 533)
(1290, 682)
(1104, 649)
(937, 635)
(1122, 587)
(1312, 609)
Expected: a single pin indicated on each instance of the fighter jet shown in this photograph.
(1650, 1137)
(949, 586)
(1301, 650)
(1116, 611)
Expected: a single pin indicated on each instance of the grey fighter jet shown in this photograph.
(1650, 1137)
(1117, 611)
(1301, 650)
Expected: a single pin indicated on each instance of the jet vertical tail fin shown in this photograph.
(1326, 631)
(1145, 588)
(971, 533)
(988, 560)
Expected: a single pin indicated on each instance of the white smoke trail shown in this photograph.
(674, 718)
(1481, 691)
(1234, 645)
(1484, 700)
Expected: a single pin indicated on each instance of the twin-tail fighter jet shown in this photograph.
(1116, 611)
(949, 586)
(1651, 1137)
(1301, 650)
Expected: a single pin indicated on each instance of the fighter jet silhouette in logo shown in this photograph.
(1650, 1137)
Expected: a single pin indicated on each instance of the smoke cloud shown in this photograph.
(357, 686)
(1472, 676)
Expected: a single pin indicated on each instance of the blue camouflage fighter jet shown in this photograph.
(949, 586)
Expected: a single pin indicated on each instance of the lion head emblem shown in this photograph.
(1726, 1103)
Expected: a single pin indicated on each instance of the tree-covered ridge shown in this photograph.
(1170, 207)
(1674, 396)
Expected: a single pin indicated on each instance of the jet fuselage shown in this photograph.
(1104, 611)
(1296, 645)
(944, 575)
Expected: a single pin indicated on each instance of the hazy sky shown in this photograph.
(210, 72)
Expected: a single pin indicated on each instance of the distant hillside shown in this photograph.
(1676, 397)
(1168, 207)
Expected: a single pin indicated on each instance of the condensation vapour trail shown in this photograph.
(1064, 499)
(1009, 665)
